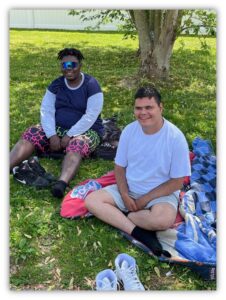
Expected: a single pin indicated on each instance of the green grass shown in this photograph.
(48, 252)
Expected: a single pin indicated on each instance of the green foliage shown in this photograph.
(195, 21)
(48, 252)
(199, 21)
(107, 16)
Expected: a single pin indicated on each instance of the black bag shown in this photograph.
(108, 147)
(105, 151)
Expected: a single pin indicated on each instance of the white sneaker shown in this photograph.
(106, 280)
(126, 271)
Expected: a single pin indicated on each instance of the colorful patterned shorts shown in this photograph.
(83, 144)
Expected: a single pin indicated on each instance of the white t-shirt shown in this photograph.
(152, 159)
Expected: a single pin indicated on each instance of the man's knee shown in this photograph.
(94, 199)
(89, 200)
(73, 155)
(97, 198)
(162, 223)
(162, 217)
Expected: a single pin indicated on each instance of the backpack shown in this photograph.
(108, 147)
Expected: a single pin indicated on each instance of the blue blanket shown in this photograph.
(196, 237)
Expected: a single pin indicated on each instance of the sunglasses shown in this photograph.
(70, 65)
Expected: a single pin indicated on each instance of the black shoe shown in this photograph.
(25, 175)
(58, 189)
(37, 168)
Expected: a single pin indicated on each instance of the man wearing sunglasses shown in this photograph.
(70, 120)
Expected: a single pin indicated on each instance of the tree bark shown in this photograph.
(145, 42)
(157, 31)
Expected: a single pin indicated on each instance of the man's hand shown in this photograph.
(55, 143)
(64, 141)
(164, 189)
(141, 202)
(129, 203)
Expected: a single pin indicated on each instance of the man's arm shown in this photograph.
(94, 108)
(120, 174)
(163, 189)
(47, 112)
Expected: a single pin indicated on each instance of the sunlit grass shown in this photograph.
(48, 251)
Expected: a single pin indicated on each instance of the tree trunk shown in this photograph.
(157, 33)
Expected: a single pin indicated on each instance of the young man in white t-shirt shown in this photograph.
(150, 165)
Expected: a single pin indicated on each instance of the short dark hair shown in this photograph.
(70, 51)
(148, 91)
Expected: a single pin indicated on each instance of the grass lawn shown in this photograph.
(48, 252)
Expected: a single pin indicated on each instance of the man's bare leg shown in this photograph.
(159, 217)
(21, 151)
(102, 205)
(70, 167)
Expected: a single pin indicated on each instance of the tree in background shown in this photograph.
(157, 31)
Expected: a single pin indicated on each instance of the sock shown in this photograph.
(149, 239)
(59, 188)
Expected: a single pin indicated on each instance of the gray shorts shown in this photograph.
(113, 190)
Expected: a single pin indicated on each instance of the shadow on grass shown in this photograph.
(189, 96)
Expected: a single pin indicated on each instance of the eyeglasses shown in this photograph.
(70, 65)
